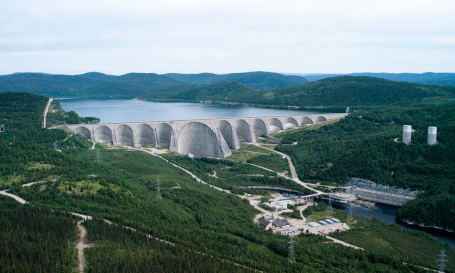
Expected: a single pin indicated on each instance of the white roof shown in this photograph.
(284, 201)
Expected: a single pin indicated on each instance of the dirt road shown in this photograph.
(81, 245)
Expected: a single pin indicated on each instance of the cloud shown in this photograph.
(118, 37)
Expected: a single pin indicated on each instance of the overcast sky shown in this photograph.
(193, 36)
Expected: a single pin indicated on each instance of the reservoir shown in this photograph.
(118, 111)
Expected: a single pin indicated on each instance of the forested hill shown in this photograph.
(133, 85)
(223, 91)
(367, 144)
(446, 79)
(337, 91)
(255, 80)
(90, 85)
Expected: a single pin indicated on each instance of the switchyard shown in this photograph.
(377, 193)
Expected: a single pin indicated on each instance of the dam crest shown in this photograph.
(202, 138)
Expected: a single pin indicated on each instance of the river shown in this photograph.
(387, 214)
(117, 111)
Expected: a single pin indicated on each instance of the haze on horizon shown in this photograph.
(325, 36)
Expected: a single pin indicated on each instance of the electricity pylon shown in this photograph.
(329, 207)
(442, 259)
(98, 156)
(350, 218)
(158, 191)
(291, 250)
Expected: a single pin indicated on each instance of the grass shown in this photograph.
(247, 152)
(39, 166)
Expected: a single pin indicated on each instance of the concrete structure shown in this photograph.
(208, 137)
(432, 131)
(407, 130)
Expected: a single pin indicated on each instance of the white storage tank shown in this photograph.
(407, 129)
(432, 135)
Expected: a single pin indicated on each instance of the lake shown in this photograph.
(117, 111)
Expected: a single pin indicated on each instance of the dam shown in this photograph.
(203, 138)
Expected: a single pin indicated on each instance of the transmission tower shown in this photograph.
(442, 259)
(329, 207)
(350, 218)
(291, 250)
(98, 156)
(158, 191)
(55, 146)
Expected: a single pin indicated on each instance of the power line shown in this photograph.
(442, 259)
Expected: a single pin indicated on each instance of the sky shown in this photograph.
(193, 36)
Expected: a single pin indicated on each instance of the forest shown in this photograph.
(330, 92)
(367, 144)
(35, 239)
(122, 189)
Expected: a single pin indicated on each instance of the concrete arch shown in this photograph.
(320, 119)
(124, 135)
(306, 120)
(259, 127)
(103, 134)
(145, 135)
(228, 133)
(291, 122)
(164, 134)
(275, 125)
(243, 131)
(200, 140)
(84, 131)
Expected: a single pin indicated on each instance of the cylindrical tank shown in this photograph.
(407, 129)
(432, 135)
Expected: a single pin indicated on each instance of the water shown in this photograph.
(117, 111)
(387, 214)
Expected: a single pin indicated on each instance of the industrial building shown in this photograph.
(264, 223)
(281, 223)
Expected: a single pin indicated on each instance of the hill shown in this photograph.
(337, 91)
(366, 144)
(222, 91)
(89, 85)
(255, 80)
(444, 79)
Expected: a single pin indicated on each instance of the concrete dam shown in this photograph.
(202, 138)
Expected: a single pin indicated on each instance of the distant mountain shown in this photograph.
(255, 80)
(90, 85)
(336, 91)
(445, 79)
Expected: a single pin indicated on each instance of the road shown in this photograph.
(45, 111)
(81, 245)
(294, 176)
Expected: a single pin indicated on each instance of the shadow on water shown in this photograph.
(387, 214)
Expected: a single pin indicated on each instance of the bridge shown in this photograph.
(207, 137)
